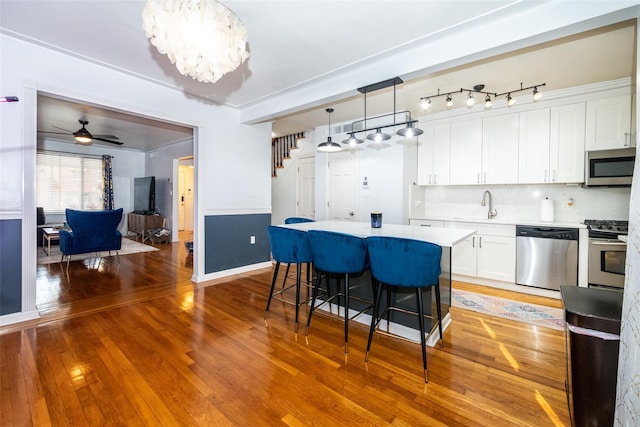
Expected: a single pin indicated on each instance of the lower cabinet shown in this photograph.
(486, 256)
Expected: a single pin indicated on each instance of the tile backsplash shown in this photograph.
(571, 203)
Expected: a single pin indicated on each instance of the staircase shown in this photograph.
(281, 149)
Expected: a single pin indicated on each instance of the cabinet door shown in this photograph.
(566, 146)
(500, 149)
(441, 154)
(608, 123)
(533, 142)
(463, 257)
(497, 258)
(466, 152)
(425, 156)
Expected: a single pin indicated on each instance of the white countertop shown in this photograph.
(445, 237)
(501, 221)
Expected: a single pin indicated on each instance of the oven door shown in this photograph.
(607, 259)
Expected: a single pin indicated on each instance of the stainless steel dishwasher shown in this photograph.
(546, 257)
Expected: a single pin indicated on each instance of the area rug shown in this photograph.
(128, 247)
(548, 317)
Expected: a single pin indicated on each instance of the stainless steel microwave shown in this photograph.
(613, 168)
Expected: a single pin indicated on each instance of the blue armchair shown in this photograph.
(91, 231)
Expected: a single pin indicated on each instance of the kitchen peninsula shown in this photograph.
(447, 238)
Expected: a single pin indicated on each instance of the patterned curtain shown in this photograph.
(107, 178)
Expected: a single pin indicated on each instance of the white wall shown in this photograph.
(232, 160)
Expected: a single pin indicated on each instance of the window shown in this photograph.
(68, 181)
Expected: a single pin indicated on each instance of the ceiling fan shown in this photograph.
(84, 137)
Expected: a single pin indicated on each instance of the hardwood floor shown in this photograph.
(141, 346)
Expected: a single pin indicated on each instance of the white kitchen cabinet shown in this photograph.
(566, 147)
(486, 256)
(608, 123)
(466, 152)
(500, 149)
(433, 155)
(533, 143)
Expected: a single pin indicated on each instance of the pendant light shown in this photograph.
(329, 146)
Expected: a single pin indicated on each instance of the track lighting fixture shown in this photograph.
(408, 130)
(329, 146)
(487, 100)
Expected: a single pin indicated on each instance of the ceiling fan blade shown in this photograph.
(108, 140)
(106, 136)
(67, 131)
(54, 133)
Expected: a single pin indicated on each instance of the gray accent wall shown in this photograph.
(10, 266)
(227, 240)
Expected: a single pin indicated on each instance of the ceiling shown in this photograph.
(297, 43)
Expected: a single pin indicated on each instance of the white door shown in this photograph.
(305, 202)
(185, 198)
(343, 181)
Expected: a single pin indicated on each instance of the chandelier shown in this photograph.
(203, 38)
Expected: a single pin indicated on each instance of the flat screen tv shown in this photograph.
(144, 195)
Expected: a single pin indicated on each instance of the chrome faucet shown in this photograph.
(491, 213)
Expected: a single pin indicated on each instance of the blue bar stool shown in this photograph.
(290, 246)
(337, 254)
(297, 220)
(404, 263)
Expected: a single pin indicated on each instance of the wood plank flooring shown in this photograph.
(140, 345)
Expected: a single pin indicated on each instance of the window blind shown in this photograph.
(68, 182)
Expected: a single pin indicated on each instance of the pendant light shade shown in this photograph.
(329, 146)
(410, 131)
(378, 136)
(352, 140)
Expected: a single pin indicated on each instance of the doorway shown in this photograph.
(185, 194)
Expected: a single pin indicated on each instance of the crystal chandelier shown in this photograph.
(203, 38)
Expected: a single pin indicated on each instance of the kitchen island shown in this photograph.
(446, 238)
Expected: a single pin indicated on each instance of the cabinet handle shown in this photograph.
(478, 178)
(545, 175)
(435, 181)
(425, 225)
(473, 242)
(480, 242)
(627, 139)
(485, 177)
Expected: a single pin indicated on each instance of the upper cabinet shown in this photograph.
(466, 152)
(433, 155)
(533, 143)
(566, 146)
(500, 149)
(608, 123)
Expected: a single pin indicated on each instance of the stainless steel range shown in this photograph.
(607, 253)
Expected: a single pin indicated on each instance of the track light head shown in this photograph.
(470, 100)
(536, 95)
(426, 103)
(510, 100)
(449, 100)
(487, 101)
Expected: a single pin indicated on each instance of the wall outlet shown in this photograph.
(253, 240)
